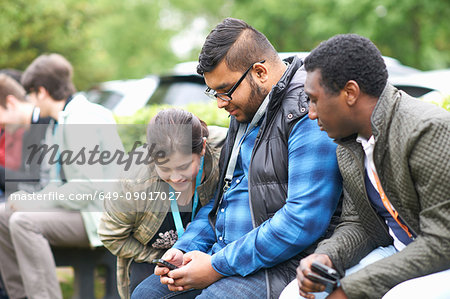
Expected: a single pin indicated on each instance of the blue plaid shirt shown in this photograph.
(314, 188)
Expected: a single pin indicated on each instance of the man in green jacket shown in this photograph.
(394, 157)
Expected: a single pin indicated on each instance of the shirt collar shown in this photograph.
(364, 142)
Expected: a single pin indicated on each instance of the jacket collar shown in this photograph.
(75, 102)
(380, 120)
(382, 113)
(294, 63)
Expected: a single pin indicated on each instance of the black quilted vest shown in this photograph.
(268, 173)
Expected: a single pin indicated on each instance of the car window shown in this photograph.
(179, 93)
(106, 98)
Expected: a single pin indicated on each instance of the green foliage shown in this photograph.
(103, 40)
(415, 32)
(445, 103)
(133, 128)
(34, 27)
(66, 281)
(132, 41)
(108, 40)
(437, 99)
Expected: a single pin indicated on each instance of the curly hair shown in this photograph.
(347, 57)
(238, 43)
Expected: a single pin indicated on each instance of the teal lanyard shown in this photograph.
(174, 206)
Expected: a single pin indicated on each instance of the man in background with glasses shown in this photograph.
(279, 184)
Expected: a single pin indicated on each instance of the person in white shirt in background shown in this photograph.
(26, 260)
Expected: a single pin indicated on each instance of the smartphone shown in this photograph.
(163, 263)
(324, 275)
(325, 271)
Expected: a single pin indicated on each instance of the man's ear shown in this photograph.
(11, 101)
(42, 93)
(261, 72)
(352, 92)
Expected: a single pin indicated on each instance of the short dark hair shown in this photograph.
(167, 131)
(236, 41)
(347, 57)
(13, 73)
(53, 72)
(9, 86)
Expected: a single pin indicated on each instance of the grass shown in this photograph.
(66, 281)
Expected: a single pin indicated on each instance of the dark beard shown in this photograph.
(257, 96)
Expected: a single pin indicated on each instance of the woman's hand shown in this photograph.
(173, 256)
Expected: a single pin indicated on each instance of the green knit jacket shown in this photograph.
(412, 158)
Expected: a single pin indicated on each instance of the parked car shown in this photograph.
(394, 67)
(183, 86)
(125, 97)
(430, 84)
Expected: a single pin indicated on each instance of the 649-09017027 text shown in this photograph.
(53, 196)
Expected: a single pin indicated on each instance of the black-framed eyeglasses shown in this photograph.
(226, 96)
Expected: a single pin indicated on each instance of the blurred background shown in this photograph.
(107, 40)
(137, 56)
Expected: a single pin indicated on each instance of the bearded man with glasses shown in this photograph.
(279, 185)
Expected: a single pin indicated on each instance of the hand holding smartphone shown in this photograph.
(324, 275)
(163, 263)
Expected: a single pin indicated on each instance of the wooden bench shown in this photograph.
(84, 261)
